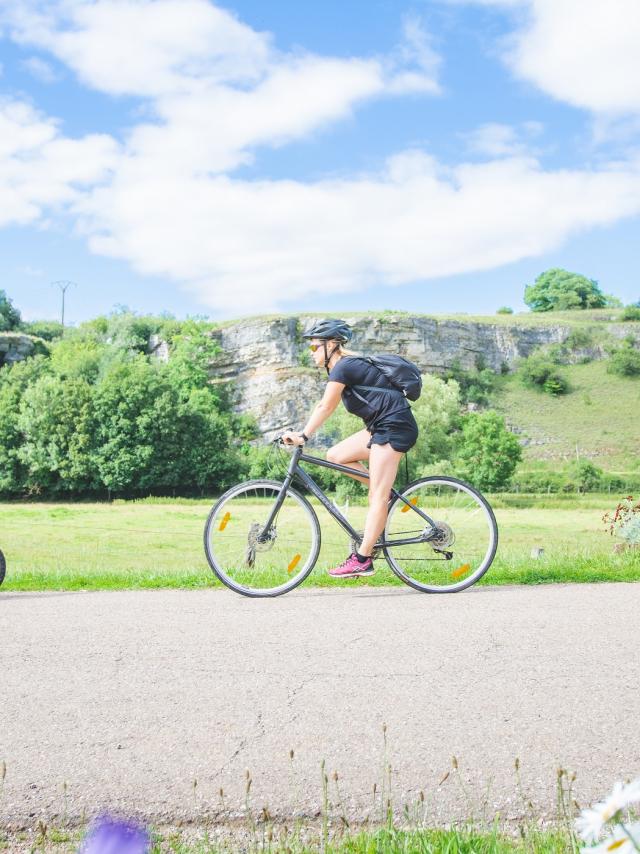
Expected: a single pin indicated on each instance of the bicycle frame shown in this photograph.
(294, 470)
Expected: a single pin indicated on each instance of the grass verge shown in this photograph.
(158, 544)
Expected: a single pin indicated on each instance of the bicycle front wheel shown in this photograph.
(466, 540)
(250, 560)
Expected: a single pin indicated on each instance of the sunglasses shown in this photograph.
(314, 347)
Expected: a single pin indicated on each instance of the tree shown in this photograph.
(437, 413)
(57, 425)
(9, 315)
(585, 475)
(488, 454)
(559, 290)
(14, 382)
(153, 432)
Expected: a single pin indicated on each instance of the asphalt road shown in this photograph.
(122, 700)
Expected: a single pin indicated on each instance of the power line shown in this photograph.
(63, 284)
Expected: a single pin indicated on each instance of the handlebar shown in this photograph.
(279, 441)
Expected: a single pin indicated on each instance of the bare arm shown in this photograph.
(320, 413)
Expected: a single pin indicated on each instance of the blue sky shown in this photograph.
(227, 160)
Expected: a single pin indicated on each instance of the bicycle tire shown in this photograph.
(3, 567)
(265, 592)
(489, 556)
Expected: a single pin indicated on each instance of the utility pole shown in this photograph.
(63, 284)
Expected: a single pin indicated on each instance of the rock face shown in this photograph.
(265, 357)
(15, 346)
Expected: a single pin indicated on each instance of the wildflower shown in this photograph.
(624, 840)
(590, 822)
(111, 836)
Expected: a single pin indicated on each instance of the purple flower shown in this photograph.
(111, 836)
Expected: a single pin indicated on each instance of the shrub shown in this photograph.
(578, 339)
(504, 309)
(49, 330)
(624, 520)
(476, 385)
(630, 312)
(537, 481)
(541, 372)
(625, 362)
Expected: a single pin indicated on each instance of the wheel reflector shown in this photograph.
(460, 570)
(294, 563)
(413, 501)
(225, 519)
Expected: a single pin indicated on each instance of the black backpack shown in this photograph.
(403, 375)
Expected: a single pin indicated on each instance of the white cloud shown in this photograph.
(159, 48)
(500, 140)
(216, 88)
(263, 243)
(40, 69)
(142, 47)
(39, 168)
(168, 202)
(583, 52)
(418, 61)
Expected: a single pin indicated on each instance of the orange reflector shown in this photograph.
(460, 570)
(225, 519)
(413, 501)
(616, 844)
(294, 563)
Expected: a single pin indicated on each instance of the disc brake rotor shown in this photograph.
(444, 538)
(255, 544)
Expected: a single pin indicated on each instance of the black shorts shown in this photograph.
(398, 429)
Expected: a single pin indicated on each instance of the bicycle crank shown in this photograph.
(355, 545)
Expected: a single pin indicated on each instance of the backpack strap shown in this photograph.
(379, 388)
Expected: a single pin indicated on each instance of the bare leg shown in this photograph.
(350, 451)
(383, 466)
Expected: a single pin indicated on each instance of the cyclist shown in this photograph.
(390, 429)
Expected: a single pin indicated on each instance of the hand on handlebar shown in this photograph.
(291, 438)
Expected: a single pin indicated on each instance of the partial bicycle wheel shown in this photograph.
(3, 567)
(250, 561)
(464, 547)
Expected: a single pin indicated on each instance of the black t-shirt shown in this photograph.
(353, 370)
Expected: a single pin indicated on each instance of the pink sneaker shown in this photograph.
(352, 568)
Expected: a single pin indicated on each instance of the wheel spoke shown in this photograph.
(250, 562)
(466, 534)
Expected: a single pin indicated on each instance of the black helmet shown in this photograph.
(331, 328)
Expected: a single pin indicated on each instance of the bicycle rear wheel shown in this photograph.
(261, 566)
(464, 547)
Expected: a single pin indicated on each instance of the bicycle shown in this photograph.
(262, 537)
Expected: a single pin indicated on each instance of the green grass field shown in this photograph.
(158, 543)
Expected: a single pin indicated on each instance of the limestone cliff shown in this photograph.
(15, 346)
(265, 356)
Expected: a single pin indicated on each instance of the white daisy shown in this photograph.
(590, 822)
(622, 841)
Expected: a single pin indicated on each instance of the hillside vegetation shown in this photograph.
(599, 417)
